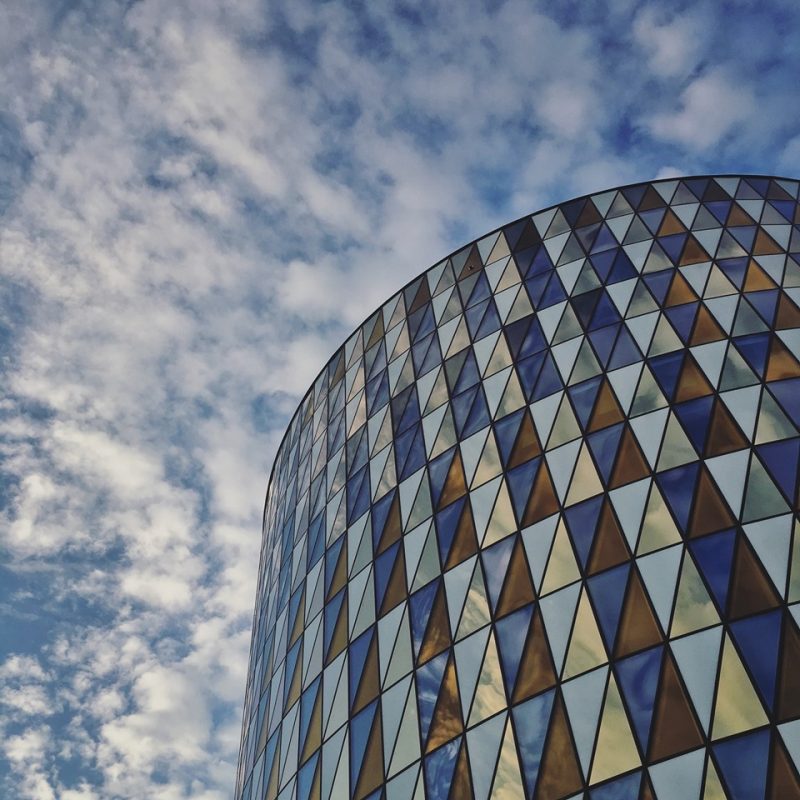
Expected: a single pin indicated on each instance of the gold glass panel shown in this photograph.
(675, 727)
(737, 707)
(616, 749)
(559, 773)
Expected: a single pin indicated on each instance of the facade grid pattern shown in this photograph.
(534, 530)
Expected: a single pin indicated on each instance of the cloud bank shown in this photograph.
(198, 201)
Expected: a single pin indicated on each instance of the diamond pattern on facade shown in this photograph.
(534, 531)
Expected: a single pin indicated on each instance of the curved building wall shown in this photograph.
(533, 532)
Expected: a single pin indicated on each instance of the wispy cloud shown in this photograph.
(199, 201)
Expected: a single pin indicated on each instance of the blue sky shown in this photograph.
(198, 201)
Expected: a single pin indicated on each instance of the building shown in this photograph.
(533, 532)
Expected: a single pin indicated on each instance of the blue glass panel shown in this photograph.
(572, 210)
(554, 293)
(759, 640)
(605, 313)
(625, 352)
(474, 316)
(786, 208)
(695, 416)
(603, 260)
(480, 291)
(525, 258)
(755, 349)
(405, 410)
(421, 354)
(541, 262)
(478, 415)
(357, 653)
(438, 470)
(677, 486)
(512, 631)
(375, 361)
(604, 445)
(515, 334)
(439, 768)
(384, 564)
(305, 778)
(587, 234)
(490, 323)
(607, 590)
(421, 323)
(745, 235)
(582, 523)
(360, 728)
(469, 375)
(429, 681)
(525, 252)
(513, 233)
(399, 404)
(462, 405)
(528, 372)
(583, 396)
(446, 525)
(682, 318)
(495, 563)
(421, 603)
(294, 605)
(634, 194)
(530, 726)
(377, 393)
(270, 752)
(667, 370)
(379, 515)
(787, 393)
(603, 340)
(357, 451)
(638, 680)
(714, 557)
(291, 663)
(332, 609)
(316, 541)
(584, 304)
(673, 246)
(781, 461)
(624, 788)
(413, 452)
(336, 434)
(358, 494)
(506, 431)
(765, 303)
(720, 209)
(659, 282)
(433, 357)
(761, 185)
(652, 219)
(743, 762)
(520, 480)
(622, 270)
(535, 286)
(604, 241)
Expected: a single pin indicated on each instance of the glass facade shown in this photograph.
(534, 530)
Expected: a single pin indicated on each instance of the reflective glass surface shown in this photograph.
(534, 530)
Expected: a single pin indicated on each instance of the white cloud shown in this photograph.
(212, 203)
(567, 108)
(672, 46)
(711, 107)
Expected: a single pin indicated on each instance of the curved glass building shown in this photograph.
(533, 532)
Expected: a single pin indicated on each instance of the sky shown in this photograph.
(198, 202)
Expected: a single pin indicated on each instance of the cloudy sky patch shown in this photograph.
(198, 201)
